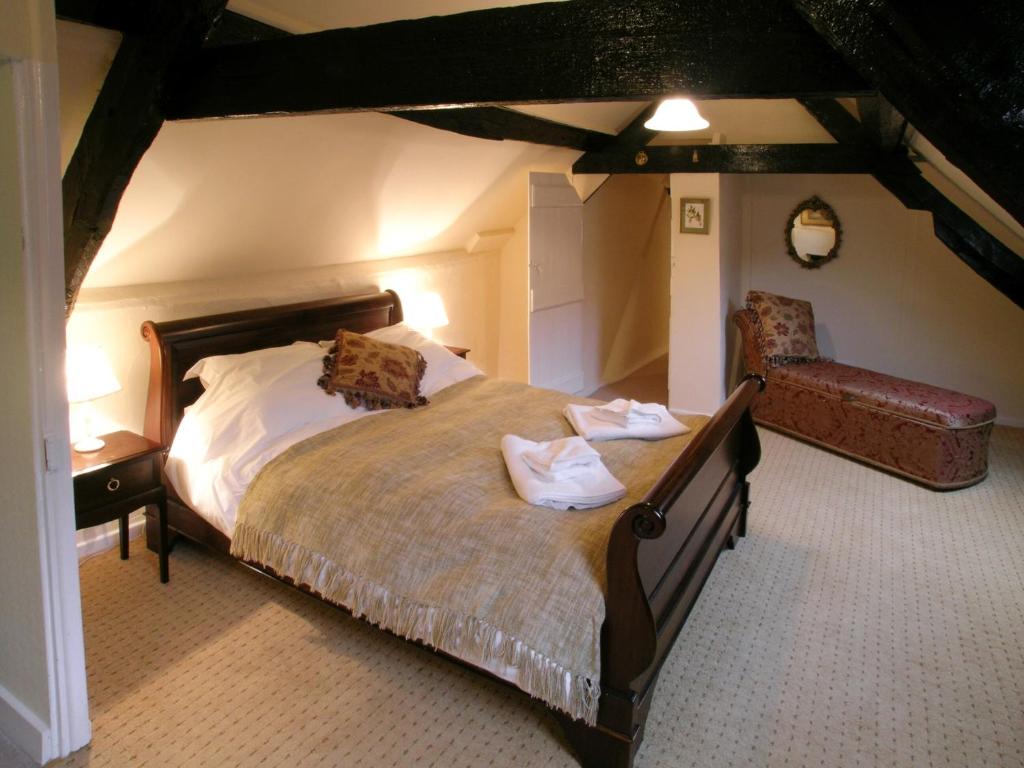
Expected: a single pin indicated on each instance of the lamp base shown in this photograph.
(88, 445)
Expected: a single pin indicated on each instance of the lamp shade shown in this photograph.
(676, 115)
(425, 312)
(89, 374)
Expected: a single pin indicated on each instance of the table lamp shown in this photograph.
(90, 377)
(425, 313)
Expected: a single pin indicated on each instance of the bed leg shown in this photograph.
(741, 522)
(598, 747)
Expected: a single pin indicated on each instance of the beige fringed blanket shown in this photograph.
(409, 519)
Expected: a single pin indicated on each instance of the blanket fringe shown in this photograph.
(466, 637)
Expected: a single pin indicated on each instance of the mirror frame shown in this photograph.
(813, 203)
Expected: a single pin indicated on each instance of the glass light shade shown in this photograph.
(425, 312)
(89, 374)
(676, 115)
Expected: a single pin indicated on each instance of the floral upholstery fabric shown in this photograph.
(373, 373)
(753, 356)
(886, 421)
(784, 328)
(917, 401)
(935, 436)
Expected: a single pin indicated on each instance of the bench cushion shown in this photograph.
(932, 435)
(784, 327)
(912, 399)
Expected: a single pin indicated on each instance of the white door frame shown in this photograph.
(37, 118)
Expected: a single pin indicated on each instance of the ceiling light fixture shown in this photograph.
(677, 115)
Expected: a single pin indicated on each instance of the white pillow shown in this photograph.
(272, 361)
(255, 404)
(444, 368)
(257, 396)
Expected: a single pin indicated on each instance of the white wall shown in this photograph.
(514, 308)
(730, 228)
(896, 299)
(697, 358)
(223, 215)
(218, 199)
(43, 704)
(626, 275)
(22, 629)
(467, 283)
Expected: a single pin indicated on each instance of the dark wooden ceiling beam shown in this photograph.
(836, 119)
(982, 252)
(883, 125)
(583, 50)
(972, 243)
(493, 123)
(232, 28)
(498, 123)
(636, 135)
(123, 123)
(957, 75)
(735, 158)
(633, 137)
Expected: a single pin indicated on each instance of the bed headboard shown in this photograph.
(177, 345)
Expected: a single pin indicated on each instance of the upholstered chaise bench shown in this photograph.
(935, 436)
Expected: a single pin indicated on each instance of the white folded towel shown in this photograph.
(594, 489)
(626, 413)
(591, 427)
(562, 459)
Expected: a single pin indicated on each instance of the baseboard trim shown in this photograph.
(100, 538)
(1009, 421)
(683, 412)
(571, 384)
(23, 727)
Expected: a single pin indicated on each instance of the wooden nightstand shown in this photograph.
(120, 477)
(458, 351)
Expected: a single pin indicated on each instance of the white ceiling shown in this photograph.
(315, 15)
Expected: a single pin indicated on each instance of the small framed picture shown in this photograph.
(693, 215)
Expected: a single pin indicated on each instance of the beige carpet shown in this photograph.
(648, 384)
(863, 622)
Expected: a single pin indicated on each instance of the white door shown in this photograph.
(556, 283)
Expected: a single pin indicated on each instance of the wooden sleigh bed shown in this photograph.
(660, 551)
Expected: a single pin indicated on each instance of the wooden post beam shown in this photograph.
(582, 50)
(123, 123)
(498, 123)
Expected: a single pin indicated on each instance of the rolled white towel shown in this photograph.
(626, 413)
(562, 459)
(590, 427)
(595, 489)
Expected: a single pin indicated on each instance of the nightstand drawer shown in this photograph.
(115, 483)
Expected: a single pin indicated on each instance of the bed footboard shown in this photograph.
(660, 553)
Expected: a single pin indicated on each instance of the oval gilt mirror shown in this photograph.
(813, 233)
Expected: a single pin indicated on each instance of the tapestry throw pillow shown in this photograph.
(373, 373)
(784, 328)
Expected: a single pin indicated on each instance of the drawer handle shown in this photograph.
(113, 484)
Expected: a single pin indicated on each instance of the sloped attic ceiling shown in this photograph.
(608, 61)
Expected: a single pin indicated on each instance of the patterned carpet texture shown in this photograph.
(864, 621)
